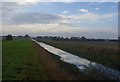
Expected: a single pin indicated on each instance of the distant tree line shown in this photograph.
(61, 38)
(10, 37)
(72, 38)
(82, 38)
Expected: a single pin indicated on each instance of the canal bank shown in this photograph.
(80, 62)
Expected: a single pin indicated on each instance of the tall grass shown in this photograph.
(105, 53)
(59, 70)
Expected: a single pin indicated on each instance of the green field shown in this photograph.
(20, 61)
(105, 53)
(24, 59)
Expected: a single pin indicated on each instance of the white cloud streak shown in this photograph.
(27, 2)
(65, 12)
(88, 17)
(96, 8)
(94, 17)
(83, 10)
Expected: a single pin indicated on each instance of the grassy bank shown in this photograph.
(105, 53)
(56, 69)
(59, 70)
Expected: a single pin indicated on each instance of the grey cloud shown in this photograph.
(33, 18)
(11, 15)
(8, 9)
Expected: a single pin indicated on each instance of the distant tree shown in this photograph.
(27, 36)
(9, 37)
(66, 38)
(83, 38)
(20, 36)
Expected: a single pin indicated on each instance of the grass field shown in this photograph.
(20, 61)
(105, 53)
(25, 60)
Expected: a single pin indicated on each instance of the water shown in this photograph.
(80, 63)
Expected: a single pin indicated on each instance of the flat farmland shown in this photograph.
(24, 59)
(20, 61)
(102, 52)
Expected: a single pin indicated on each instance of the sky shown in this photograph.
(67, 19)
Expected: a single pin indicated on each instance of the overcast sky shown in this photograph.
(90, 19)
